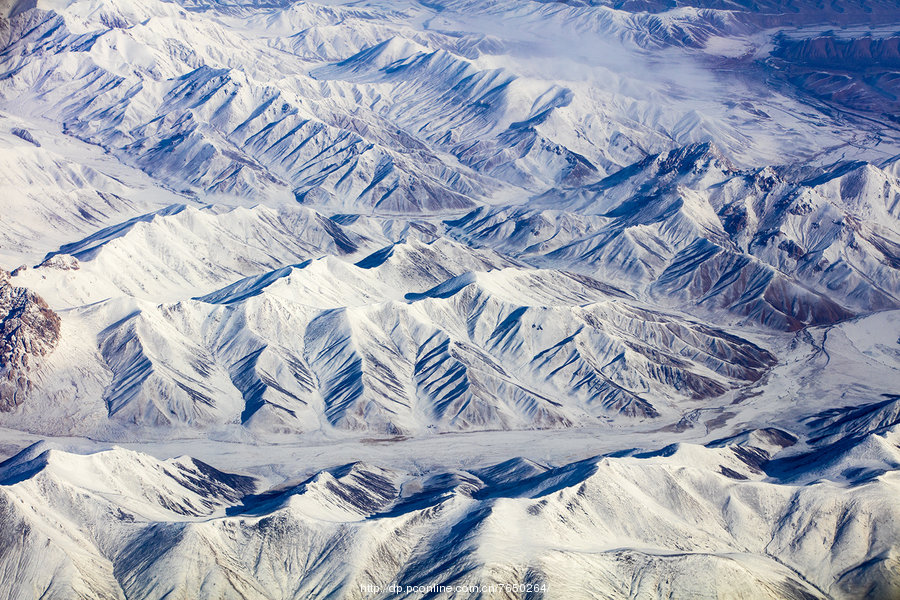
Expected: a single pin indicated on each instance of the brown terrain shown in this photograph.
(29, 330)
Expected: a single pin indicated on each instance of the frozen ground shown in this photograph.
(310, 299)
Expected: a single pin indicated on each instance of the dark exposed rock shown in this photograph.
(25, 135)
(858, 421)
(731, 473)
(29, 330)
(63, 262)
(792, 249)
(734, 219)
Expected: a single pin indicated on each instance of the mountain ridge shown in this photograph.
(306, 300)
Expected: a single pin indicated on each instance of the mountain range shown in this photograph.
(599, 298)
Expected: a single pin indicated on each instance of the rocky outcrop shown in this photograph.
(29, 330)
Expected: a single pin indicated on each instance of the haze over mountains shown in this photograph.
(602, 297)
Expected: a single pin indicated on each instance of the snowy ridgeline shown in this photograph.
(690, 521)
(282, 319)
(615, 318)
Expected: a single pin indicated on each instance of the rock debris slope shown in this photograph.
(29, 330)
(605, 294)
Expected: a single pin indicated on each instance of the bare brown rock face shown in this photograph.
(29, 330)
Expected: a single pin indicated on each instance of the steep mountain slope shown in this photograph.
(181, 251)
(62, 189)
(29, 330)
(686, 227)
(410, 338)
(605, 294)
(405, 108)
(686, 510)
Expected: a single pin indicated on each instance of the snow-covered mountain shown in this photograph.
(687, 521)
(597, 297)
(414, 336)
(782, 246)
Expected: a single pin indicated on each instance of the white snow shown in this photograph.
(464, 293)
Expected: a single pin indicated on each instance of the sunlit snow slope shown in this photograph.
(597, 296)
